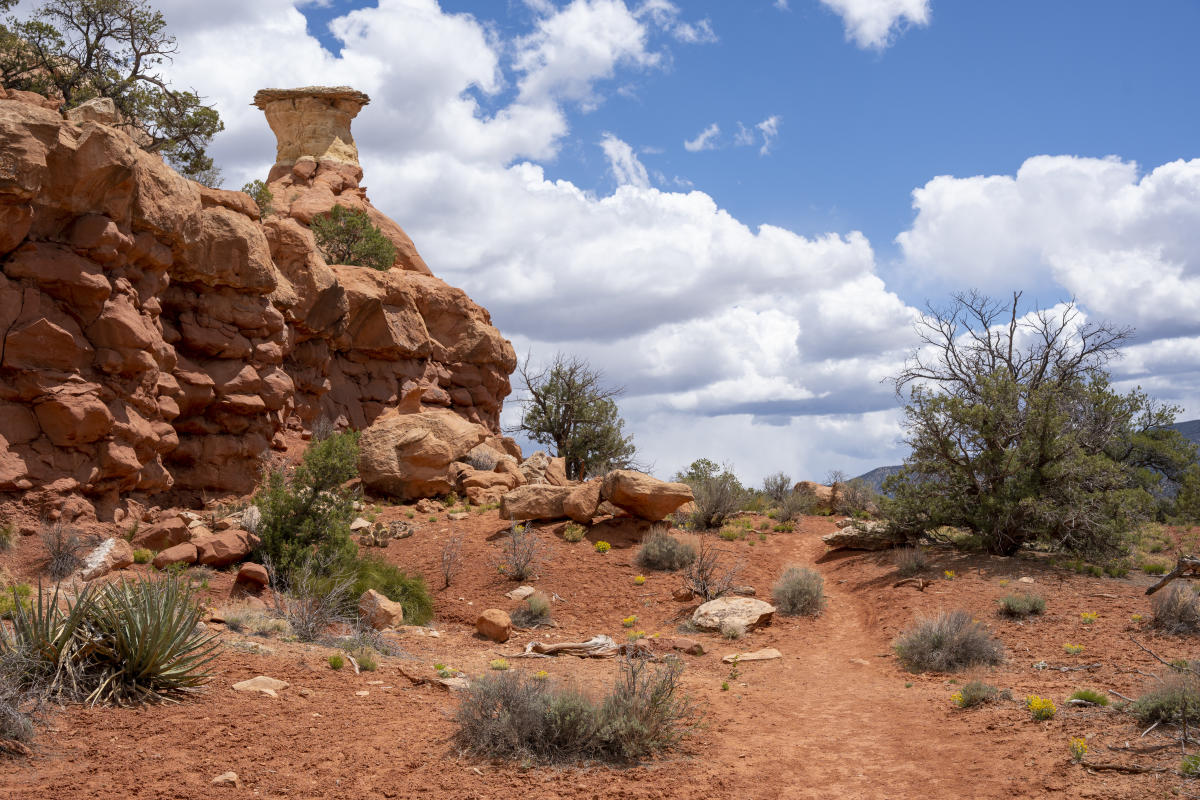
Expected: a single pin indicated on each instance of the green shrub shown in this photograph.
(261, 195)
(717, 492)
(533, 612)
(396, 585)
(1189, 766)
(1154, 567)
(574, 533)
(662, 551)
(1175, 698)
(731, 534)
(126, 642)
(336, 661)
(8, 535)
(777, 486)
(1019, 606)
(142, 556)
(12, 596)
(366, 659)
(347, 236)
(975, 693)
(910, 561)
(514, 715)
(947, 642)
(310, 514)
(1090, 696)
(799, 590)
(1040, 708)
(1176, 608)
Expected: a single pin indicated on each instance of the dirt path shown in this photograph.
(837, 722)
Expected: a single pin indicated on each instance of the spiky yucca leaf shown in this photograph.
(146, 643)
(47, 633)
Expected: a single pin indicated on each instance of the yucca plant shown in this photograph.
(144, 643)
(46, 636)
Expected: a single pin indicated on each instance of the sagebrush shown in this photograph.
(798, 591)
(947, 642)
(662, 551)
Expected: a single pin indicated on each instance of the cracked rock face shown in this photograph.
(156, 334)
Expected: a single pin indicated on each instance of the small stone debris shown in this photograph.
(520, 593)
(767, 654)
(362, 693)
(1026, 579)
(458, 516)
(228, 779)
(268, 686)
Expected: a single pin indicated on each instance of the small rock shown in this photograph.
(767, 654)
(268, 686)
(861, 662)
(520, 593)
(683, 594)
(458, 516)
(110, 555)
(454, 684)
(253, 575)
(359, 524)
(227, 779)
(362, 693)
(494, 624)
(744, 591)
(306, 692)
(1025, 580)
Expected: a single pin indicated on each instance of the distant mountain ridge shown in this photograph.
(876, 477)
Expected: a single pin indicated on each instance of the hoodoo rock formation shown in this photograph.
(156, 333)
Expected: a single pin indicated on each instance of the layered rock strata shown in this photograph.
(158, 334)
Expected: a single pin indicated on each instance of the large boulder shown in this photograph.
(742, 612)
(163, 535)
(408, 456)
(644, 496)
(534, 501)
(583, 502)
(864, 535)
(494, 624)
(184, 553)
(379, 612)
(223, 548)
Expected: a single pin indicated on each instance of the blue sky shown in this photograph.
(977, 91)
(753, 292)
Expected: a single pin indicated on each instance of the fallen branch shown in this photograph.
(1043, 665)
(920, 583)
(1188, 566)
(600, 646)
(1160, 659)
(1133, 769)
(1118, 694)
(1128, 748)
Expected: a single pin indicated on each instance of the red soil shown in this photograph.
(836, 717)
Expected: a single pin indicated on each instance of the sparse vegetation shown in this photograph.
(974, 693)
(1090, 696)
(662, 551)
(534, 611)
(142, 556)
(347, 236)
(717, 491)
(513, 715)
(261, 195)
(410, 591)
(499, 664)
(8, 535)
(336, 661)
(522, 553)
(777, 486)
(451, 560)
(799, 591)
(1173, 698)
(64, 549)
(1019, 606)
(947, 642)
(709, 575)
(910, 561)
(602, 547)
(1176, 609)
(18, 594)
(1040, 708)
(312, 597)
(574, 532)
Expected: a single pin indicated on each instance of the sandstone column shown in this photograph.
(312, 122)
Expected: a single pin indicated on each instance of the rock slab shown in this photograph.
(745, 612)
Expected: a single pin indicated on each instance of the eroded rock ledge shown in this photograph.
(156, 334)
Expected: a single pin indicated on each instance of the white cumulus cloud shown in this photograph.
(874, 24)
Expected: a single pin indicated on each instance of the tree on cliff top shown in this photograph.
(1016, 433)
(78, 50)
(567, 406)
(347, 236)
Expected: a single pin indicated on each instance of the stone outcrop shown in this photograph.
(534, 501)
(644, 496)
(159, 335)
(865, 535)
(408, 455)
